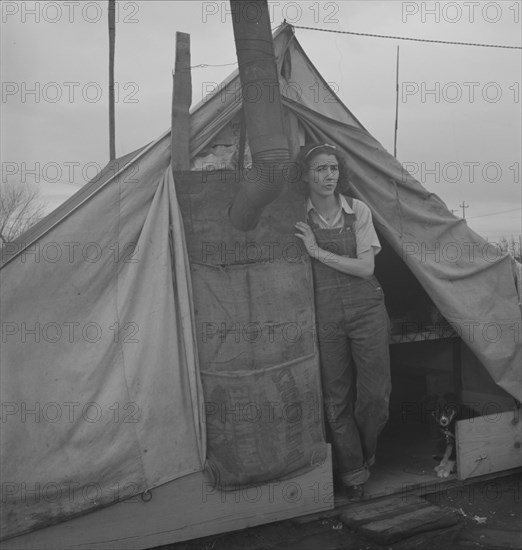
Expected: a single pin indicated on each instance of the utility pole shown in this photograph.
(112, 37)
(464, 206)
(396, 106)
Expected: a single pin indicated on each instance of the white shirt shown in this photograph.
(365, 234)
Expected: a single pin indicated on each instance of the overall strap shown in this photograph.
(349, 219)
(311, 223)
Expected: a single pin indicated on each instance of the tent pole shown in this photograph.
(181, 100)
(396, 106)
(112, 37)
(242, 142)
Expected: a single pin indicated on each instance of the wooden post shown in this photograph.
(181, 100)
(112, 37)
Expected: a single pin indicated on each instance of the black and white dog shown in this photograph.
(446, 413)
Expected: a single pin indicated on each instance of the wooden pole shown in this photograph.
(181, 100)
(112, 39)
(396, 106)
(242, 142)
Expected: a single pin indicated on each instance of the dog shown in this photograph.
(446, 413)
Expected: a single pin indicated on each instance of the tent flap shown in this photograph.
(470, 280)
(100, 387)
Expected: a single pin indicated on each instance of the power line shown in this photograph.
(411, 39)
(495, 213)
(205, 65)
(506, 234)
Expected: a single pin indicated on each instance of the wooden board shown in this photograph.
(185, 509)
(397, 517)
(181, 99)
(404, 525)
(364, 512)
(489, 443)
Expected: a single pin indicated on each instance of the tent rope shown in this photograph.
(408, 38)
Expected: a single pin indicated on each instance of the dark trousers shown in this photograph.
(353, 336)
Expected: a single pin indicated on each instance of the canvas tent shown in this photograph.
(471, 283)
(97, 320)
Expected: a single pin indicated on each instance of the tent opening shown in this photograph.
(427, 359)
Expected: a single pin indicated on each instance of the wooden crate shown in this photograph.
(489, 443)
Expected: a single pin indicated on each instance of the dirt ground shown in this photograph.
(489, 517)
(491, 511)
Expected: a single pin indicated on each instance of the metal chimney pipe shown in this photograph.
(262, 110)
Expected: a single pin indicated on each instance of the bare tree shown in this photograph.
(511, 246)
(20, 208)
(503, 244)
(515, 248)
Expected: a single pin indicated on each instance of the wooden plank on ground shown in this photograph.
(489, 443)
(439, 538)
(375, 510)
(184, 509)
(399, 517)
(408, 524)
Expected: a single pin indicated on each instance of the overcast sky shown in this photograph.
(459, 106)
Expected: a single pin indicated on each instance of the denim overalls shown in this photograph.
(353, 335)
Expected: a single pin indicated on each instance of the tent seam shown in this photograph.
(136, 442)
